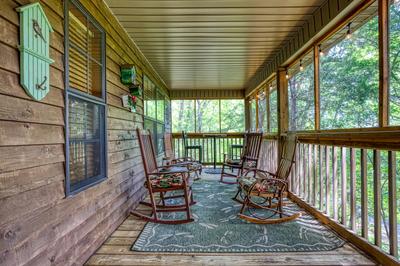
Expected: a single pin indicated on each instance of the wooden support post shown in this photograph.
(383, 12)
(316, 88)
(377, 198)
(392, 204)
(283, 111)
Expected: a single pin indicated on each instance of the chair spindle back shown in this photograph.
(147, 150)
(169, 146)
(252, 145)
(287, 156)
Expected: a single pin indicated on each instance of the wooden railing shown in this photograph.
(351, 179)
(223, 146)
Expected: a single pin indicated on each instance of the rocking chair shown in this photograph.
(194, 166)
(162, 180)
(248, 158)
(266, 190)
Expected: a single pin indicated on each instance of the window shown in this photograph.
(253, 111)
(394, 59)
(183, 115)
(155, 113)
(273, 107)
(207, 115)
(301, 94)
(349, 74)
(85, 99)
(232, 115)
(262, 110)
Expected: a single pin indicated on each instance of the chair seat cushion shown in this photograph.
(166, 181)
(233, 161)
(247, 182)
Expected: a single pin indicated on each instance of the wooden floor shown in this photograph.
(116, 251)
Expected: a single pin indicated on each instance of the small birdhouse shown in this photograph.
(34, 50)
(135, 90)
(128, 74)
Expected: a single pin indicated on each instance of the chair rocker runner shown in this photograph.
(194, 166)
(162, 180)
(248, 158)
(266, 190)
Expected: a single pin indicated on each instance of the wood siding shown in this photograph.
(38, 224)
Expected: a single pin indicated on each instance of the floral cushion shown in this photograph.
(166, 181)
(246, 182)
(250, 164)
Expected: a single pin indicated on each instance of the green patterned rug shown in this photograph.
(218, 229)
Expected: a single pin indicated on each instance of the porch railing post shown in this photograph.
(283, 111)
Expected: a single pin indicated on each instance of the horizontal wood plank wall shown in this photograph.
(38, 225)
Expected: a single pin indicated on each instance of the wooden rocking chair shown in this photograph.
(268, 187)
(248, 159)
(162, 180)
(194, 166)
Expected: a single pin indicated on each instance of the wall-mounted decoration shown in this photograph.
(136, 90)
(128, 74)
(34, 50)
(129, 101)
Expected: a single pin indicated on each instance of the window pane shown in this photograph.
(94, 79)
(232, 116)
(253, 115)
(183, 116)
(78, 70)
(262, 112)
(349, 75)
(84, 141)
(94, 43)
(160, 107)
(301, 94)
(149, 98)
(77, 28)
(394, 28)
(207, 116)
(160, 138)
(273, 108)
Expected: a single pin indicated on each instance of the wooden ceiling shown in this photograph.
(210, 44)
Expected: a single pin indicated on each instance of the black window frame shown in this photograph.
(101, 102)
(157, 136)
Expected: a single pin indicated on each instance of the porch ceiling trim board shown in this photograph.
(317, 24)
(199, 35)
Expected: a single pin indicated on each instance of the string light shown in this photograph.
(270, 87)
(348, 33)
(301, 65)
(321, 53)
(287, 74)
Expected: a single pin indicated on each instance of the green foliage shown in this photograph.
(349, 76)
(208, 115)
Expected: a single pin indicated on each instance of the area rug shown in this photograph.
(218, 229)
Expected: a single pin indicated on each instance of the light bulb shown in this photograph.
(321, 53)
(348, 33)
(301, 66)
(287, 75)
